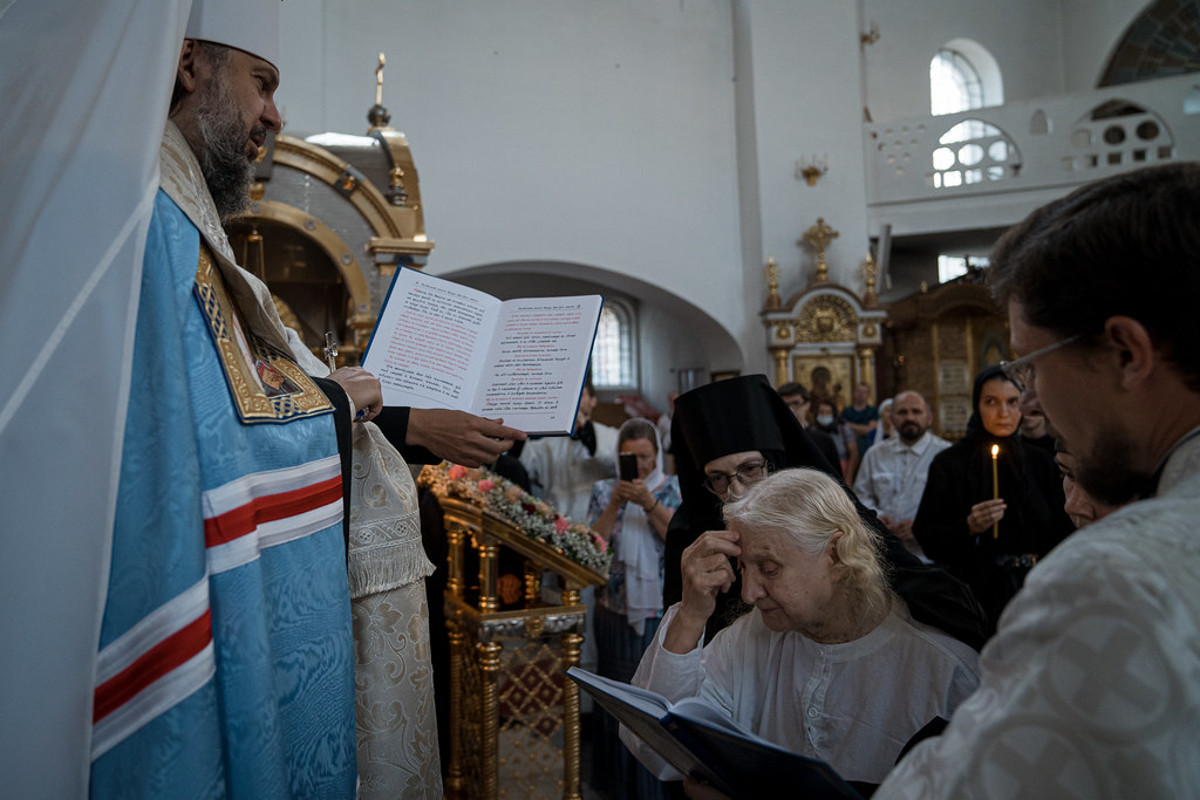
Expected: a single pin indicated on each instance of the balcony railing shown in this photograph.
(1052, 143)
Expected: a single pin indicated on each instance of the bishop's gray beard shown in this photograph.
(223, 162)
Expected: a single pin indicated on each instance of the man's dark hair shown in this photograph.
(793, 388)
(1127, 245)
(218, 55)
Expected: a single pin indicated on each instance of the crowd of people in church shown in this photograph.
(838, 580)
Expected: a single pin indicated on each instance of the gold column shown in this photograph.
(489, 553)
(455, 784)
(781, 366)
(571, 643)
(454, 577)
(935, 351)
(489, 664)
(533, 585)
(973, 365)
(866, 371)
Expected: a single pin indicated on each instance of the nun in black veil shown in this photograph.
(743, 426)
(954, 522)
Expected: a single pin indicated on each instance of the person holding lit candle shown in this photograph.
(992, 505)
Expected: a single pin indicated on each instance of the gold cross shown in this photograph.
(379, 80)
(819, 237)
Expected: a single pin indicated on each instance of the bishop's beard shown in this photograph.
(227, 170)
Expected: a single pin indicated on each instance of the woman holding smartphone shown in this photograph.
(632, 513)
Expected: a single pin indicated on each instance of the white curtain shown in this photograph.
(84, 90)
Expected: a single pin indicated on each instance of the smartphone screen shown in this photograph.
(629, 471)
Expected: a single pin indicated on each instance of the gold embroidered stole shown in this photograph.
(265, 383)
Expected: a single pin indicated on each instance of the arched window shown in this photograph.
(963, 76)
(954, 83)
(613, 350)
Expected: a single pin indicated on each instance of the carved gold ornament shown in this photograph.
(827, 319)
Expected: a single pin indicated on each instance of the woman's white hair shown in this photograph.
(812, 508)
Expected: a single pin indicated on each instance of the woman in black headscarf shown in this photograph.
(990, 531)
(744, 426)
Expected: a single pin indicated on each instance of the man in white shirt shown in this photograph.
(892, 477)
(563, 469)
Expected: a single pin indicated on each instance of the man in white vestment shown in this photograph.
(1089, 687)
(563, 469)
(891, 478)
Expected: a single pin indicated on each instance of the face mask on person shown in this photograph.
(825, 420)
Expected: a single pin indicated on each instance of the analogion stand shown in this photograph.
(514, 717)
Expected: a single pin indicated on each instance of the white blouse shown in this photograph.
(853, 704)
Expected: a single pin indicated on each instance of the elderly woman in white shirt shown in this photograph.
(829, 664)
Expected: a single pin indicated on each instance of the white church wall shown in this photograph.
(1091, 31)
(551, 131)
(806, 91)
(1024, 36)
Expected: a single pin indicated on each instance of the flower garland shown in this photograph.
(536, 518)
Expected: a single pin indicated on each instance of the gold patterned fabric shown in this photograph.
(266, 384)
(394, 705)
(393, 682)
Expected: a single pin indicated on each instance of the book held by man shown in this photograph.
(705, 745)
(441, 345)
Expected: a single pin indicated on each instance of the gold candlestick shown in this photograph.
(774, 301)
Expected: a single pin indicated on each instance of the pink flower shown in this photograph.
(561, 524)
(486, 485)
(456, 471)
(601, 543)
(512, 494)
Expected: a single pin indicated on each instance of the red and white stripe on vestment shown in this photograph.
(152, 666)
(245, 516)
(168, 655)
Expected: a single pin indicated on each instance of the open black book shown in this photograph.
(707, 746)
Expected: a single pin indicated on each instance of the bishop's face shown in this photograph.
(235, 108)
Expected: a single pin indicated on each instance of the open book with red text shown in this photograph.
(705, 745)
(441, 345)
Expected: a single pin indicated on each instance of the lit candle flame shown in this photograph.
(995, 488)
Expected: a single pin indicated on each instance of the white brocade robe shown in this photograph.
(1091, 686)
(563, 472)
(853, 705)
(393, 678)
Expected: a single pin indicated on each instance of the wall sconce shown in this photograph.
(809, 170)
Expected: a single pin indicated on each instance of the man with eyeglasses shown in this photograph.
(1089, 687)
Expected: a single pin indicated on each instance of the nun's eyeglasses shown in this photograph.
(746, 474)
